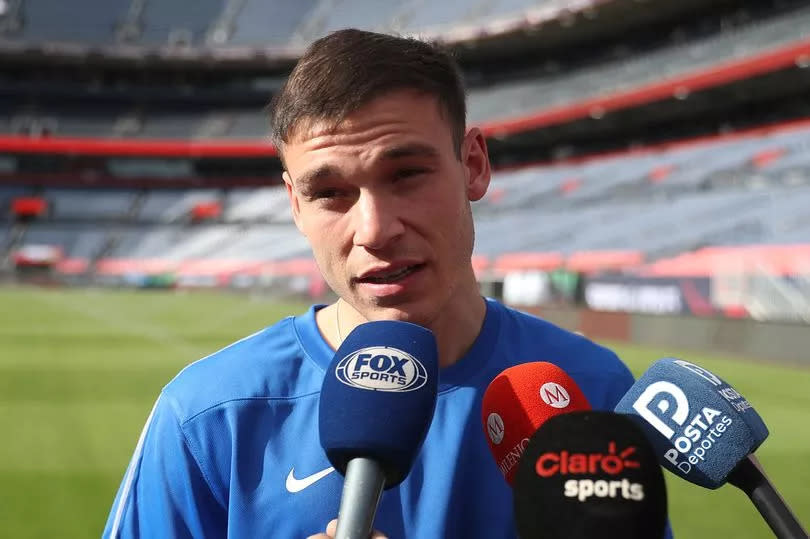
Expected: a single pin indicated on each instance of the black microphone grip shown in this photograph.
(749, 477)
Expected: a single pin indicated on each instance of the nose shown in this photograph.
(377, 220)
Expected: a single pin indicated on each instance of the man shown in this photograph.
(380, 172)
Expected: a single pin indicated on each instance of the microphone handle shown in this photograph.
(362, 489)
(749, 477)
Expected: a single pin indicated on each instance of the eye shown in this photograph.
(325, 193)
(404, 173)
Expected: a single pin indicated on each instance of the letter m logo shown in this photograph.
(554, 395)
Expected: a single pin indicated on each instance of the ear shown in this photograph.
(294, 202)
(475, 159)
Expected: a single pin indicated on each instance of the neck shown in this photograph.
(456, 327)
(457, 330)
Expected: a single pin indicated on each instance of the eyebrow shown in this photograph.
(311, 178)
(415, 149)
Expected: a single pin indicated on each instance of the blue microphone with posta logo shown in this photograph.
(705, 431)
(376, 405)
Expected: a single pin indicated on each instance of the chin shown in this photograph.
(404, 314)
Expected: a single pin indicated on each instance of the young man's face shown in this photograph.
(384, 200)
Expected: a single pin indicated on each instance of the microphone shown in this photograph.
(518, 401)
(590, 474)
(377, 402)
(705, 431)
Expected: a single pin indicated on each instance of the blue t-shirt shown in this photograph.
(231, 446)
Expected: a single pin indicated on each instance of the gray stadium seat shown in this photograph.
(336, 14)
(80, 241)
(89, 204)
(7, 194)
(76, 21)
(257, 205)
(157, 203)
(421, 14)
(252, 124)
(162, 18)
(260, 23)
(264, 242)
(524, 96)
(170, 125)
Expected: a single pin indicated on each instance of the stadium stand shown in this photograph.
(330, 15)
(614, 206)
(247, 124)
(259, 241)
(176, 23)
(198, 242)
(256, 25)
(143, 241)
(183, 209)
(91, 21)
(170, 125)
(153, 111)
(7, 194)
(89, 205)
(245, 22)
(79, 241)
(617, 207)
(523, 96)
(159, 203)
(128, 115)
(180, 207)
(257, 205)
(419, 15)
(121, 167)
(97, 119)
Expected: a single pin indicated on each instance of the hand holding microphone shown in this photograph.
(331, 530)
(705, 431)
(377, 402)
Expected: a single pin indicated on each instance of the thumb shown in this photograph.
(331, 530)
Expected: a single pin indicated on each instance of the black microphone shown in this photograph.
(376, 405)
(589, 474)
(706, 432)
(749, 477)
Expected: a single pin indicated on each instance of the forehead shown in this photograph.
(390, 120)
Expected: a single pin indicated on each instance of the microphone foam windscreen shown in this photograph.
(518, 401)
(590, 474)
(699, 425)
(378, 397)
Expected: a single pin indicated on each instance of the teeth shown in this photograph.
(390, 276)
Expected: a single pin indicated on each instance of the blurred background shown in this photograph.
(651, 190)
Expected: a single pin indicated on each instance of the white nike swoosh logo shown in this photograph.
(297, 485)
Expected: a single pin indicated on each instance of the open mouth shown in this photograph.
(391, 277)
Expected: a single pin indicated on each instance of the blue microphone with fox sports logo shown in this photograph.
(705, 431)
(377, 402)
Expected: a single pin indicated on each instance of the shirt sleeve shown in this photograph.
(164, 492)
(621, 381)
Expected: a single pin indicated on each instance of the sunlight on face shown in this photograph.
(385, 203)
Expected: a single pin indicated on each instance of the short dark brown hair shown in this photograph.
(347, 69)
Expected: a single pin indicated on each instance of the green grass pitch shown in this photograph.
(80, 369)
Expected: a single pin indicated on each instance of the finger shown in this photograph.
(331, 530)
(320, 536)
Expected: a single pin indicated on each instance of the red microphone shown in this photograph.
(518, 401)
